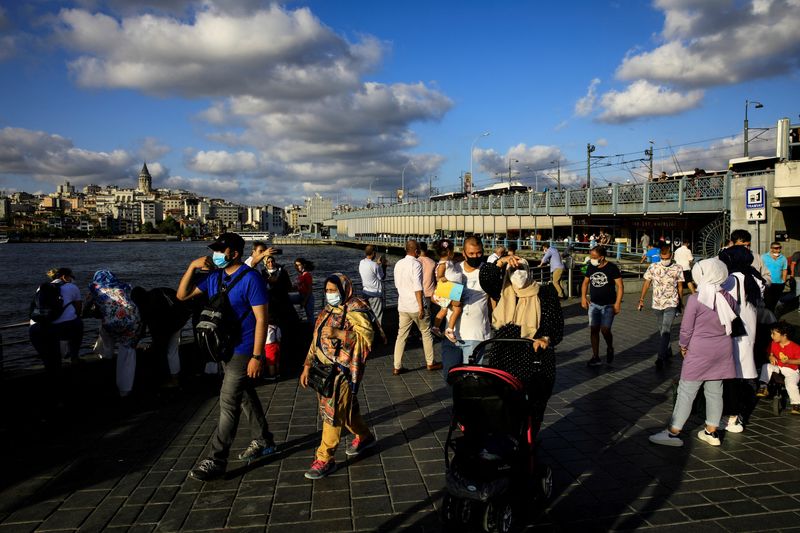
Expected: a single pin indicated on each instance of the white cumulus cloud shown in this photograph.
(585, 105)
(642, 98)
(222, 162)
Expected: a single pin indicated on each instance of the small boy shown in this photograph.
(784, 357)
(272, 353)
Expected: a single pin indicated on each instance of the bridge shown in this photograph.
(693, 208)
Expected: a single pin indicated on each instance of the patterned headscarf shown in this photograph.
(105, 279)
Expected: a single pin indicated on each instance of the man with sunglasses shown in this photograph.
(778, 267)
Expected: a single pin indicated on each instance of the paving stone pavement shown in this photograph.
(106, 467)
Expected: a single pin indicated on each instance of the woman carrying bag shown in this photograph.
(334, 367)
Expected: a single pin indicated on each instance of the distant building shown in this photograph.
(145, 185)
(317, 211)
(65, 189)
(151, 211)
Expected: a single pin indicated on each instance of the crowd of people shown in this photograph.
(463, 302)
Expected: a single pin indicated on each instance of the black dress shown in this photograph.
(538, 379)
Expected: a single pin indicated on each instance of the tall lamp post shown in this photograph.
(757, 105)
(558, 179)
(472, 149)
(403, 180)
(511, 160)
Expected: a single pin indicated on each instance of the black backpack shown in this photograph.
(219, 329)
(47, 304)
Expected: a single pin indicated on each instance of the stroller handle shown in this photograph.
(480, 348)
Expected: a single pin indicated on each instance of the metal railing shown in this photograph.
(689, 194)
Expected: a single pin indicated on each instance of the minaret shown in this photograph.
(145, 181)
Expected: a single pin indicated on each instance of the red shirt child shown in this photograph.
(780, 355)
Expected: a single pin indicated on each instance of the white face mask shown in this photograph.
(519, 278)
(666, 262)
(594, 262)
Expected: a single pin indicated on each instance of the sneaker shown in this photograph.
(358, 445)
(594, 361)
(256, 449)
(763, 391)
(610, 356)
(795, 409)
(666, 438)
(734, 425)
(711, 438)
(207, 470)
(320, 469)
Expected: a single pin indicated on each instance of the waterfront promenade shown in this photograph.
(100, 466)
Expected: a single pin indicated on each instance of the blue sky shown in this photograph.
(267, 103)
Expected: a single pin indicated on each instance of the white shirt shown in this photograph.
(69, 293)
(684, 257)
(474, 324)
(258, 268)
(408, 280)
(372, 277)
(492, 258)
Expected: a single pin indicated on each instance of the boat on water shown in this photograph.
(3, 238)
(251, 236)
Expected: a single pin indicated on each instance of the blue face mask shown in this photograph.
(220, 261)
(333, 298)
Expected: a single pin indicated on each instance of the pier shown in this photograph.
(97, 465)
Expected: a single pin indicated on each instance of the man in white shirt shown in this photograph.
(474, 325)
(499, 252)
(684, 258)
(373, 273)
(411, 308)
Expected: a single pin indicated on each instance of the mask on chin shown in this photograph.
(666, 262)
(594, 262)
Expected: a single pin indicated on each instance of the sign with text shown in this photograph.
(755, 198)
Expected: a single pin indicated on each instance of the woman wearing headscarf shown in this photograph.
(746, 286)
(121, 324)
(524, 309)
(343, 335)
(707, 350)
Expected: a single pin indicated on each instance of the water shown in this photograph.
(147, 264)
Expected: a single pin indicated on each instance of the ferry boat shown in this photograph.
(3, 238)
(251, 236)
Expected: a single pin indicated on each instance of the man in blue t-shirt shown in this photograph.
(652, 255)
(778, 267)
(249, 299)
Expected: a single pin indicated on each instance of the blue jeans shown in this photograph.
(664, 319)
(601, 315)
(687, 390)
(453, 354)
(236, 395)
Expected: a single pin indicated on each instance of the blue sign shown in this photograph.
(756, 198)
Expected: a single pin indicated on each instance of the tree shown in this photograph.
(148, 227)
(169, 226)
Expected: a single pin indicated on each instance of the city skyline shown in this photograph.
(262, 103)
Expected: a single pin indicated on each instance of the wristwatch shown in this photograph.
(260, 358)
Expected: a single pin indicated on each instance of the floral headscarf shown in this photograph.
(120, 315)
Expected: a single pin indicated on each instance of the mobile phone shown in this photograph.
(277, 251)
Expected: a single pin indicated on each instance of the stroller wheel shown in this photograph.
(465, 511)
(498, 517)
(450, 512)
(777, 406)
(544, 482)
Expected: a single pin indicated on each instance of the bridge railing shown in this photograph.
(688, 194)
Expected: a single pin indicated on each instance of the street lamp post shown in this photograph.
(511, 160)
(589, 149)
(403, 180)
(472, 148)
(558, 167)
(757, 105)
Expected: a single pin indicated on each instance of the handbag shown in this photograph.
(321, 378)
(737, 324)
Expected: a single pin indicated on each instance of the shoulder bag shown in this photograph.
(322, 377)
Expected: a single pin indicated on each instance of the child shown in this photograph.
(272, 352)
(445, 271)
(784, 357)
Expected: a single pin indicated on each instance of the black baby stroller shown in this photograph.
(491, 470)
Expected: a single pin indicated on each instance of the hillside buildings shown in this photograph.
(96, 209)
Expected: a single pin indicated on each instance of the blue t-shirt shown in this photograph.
(776, 266)
(653, 255)
(249, 292)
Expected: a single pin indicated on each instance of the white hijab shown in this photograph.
(709, 274)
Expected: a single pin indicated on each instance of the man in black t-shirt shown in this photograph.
(601, 294)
